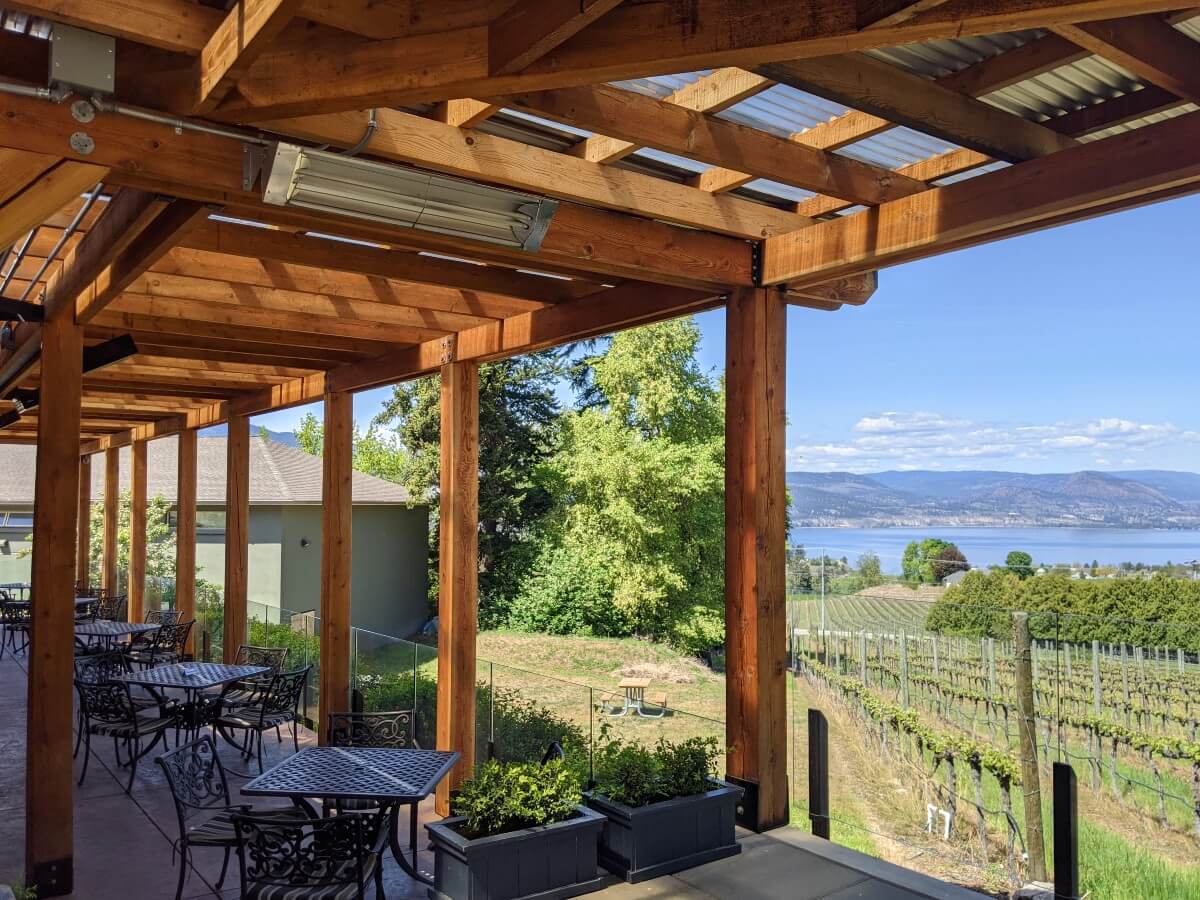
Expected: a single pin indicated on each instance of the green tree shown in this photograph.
(1019, 563)
(917, 563)
(870, 570)
(160, 540)
(634, 543)
(948, 561)
(518, 417)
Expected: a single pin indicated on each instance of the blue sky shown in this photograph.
(1073, 348)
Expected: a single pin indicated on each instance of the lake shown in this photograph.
(989, 546)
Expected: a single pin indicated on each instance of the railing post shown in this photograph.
(818, 773)
(1066, 834)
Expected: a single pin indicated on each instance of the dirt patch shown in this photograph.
(678, 673)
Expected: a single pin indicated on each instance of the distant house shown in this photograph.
(954, 578)
(390, 543)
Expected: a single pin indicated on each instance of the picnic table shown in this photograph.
(635, 699)
(390, 777)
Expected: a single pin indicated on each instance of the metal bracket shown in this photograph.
(449, 349)
(747, 808)
(83, 60)
(254, 158)
(756, 263)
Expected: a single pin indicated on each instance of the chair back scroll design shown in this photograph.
(318, 855)
(196, 778)
(271, 657)
(393, 729)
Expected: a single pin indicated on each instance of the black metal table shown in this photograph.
(20, 587)
(390, 777)
(191, 678)
(110, 631)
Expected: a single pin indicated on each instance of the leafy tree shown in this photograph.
(518, 419)
(917, 563)
(1019, 563)
(160, 540)
(634, 542)
(310, 435)
(870, 570)
(948, 561)
(375, 453)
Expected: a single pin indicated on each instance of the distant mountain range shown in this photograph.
(287, 438)
(1134, 499)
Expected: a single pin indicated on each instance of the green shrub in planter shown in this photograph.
(665, 810)
(518, 831)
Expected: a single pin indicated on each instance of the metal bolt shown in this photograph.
(82, 111)
(82, 143)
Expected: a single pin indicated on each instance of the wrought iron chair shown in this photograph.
(166, 647)
(145, 643)
(14, 624)
(108, 710)
(393, 730)
(321, 859)
(201, 793)
(95, 668)
(278, 705)
(112, 608)
(247, 691)
(88, 611)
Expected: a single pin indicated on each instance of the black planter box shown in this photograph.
(544, 863)
(647, 841)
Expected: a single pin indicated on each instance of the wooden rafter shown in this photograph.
(883, 13)
(529, 29)
(1145, 45)
(667, 126)
(1069, 185)
(900, 97)
(48, 192)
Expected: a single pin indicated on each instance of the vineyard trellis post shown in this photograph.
(1027, 723)
(862, 656)
(991, 653)
(937, 671)
(1097, 692)
(904, 668)
(1179, 658)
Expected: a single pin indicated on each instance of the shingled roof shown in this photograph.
(279, 474)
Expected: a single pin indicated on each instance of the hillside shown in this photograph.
(1150, 499)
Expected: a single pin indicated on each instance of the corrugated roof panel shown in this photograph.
(661, 85)
(934, 59)
(1190, 27)
(670, 159)
(1064, 89)
(897, 147)
(775, 189)
(1151, 119)
(972, 173)
(782, 111)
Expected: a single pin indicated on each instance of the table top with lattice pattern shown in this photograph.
(356, 773)
(105, 628)
(191, 676)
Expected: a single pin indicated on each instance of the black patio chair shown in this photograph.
(95, 668)
(320, 859)
(144, 643)
(247, 691)
(108, 710)
(278, 705)
(87, 612)
(393, 730)
(14, 625)
(112, 608)
(201, 794)
(166, 646)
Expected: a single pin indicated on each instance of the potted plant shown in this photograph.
(664, 808)
(518, 830)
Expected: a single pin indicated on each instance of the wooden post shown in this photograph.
(109, 579)
(237, 534)
(337, 515)
(755, 518)
(904, 669)
(1097, 693)
(83, 547)
(185, 534)
(137, 532)
(862, 655)
(49, 779)
(1027, 721)
(458, 574)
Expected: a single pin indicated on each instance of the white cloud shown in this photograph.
(922, 439)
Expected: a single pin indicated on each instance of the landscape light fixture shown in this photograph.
(363, 189)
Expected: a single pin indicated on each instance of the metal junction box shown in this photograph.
(82, 60)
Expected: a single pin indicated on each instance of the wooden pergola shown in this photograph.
(673, 195)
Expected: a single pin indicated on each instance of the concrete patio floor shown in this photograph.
(123, 843)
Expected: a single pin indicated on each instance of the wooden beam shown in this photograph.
(710, 93)
(1036, 57)
(47, 194)
(83, 545)
(337, 514)
(464, 112)
(854, 290)
(891, 93)
(665, 126)
(1118, 171)
(1117, 111)
(755, 516)
(529, 29)
(884, 13)
(177, 25)
(458, 561)
(329, 73)
(419, 141)
(137, 532)
(168, 227)
(185, 533)
(248, 27)
(237, 534)
(109, 572)
(1146, 46)
(18, 169)
(49, 779)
